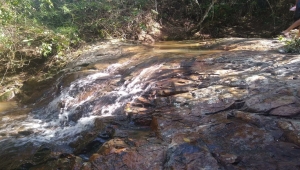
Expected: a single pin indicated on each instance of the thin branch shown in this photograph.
(196, 28)
(196, 1)
(272, 12)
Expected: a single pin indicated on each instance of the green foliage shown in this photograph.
(46, 48)
(88, 17)
(291, 45)
(5, 16)
(272, 14)
(50, 28)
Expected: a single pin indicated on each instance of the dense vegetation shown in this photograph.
(37, 35)
(35, 31)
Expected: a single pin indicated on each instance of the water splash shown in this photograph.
(75, 109)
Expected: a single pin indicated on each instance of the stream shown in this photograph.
(171, 105)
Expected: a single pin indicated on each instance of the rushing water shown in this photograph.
(75, 104)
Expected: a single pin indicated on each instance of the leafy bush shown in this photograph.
(291, 45)
(51, 27)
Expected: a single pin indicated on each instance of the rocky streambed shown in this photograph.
(231, 104)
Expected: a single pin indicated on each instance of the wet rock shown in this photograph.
(92, 146)
(189, 156)
(289, 110)
(26, 132)
(248, 118)
(70, 77)
(216, 98)
(266, 102)
(113, 146)
(227, 158)
(174, 122)
(298, 92)
(147, 157)
(42, 155)
(120, 133)
(68, 163)
(170, 92)
(280, 153)
(142, 120)
(22, 153)
(140, 137)
(291, 131)
(96, 54)
(144, 101)
(25, 166)
(211, 106)
(243, 140)
(259, 121)
(80, 145)
(75, 116)
(91, 142)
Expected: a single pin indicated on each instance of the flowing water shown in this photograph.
(102, 89)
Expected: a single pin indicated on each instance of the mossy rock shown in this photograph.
(6, 96)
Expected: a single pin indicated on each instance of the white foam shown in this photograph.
(53, 124)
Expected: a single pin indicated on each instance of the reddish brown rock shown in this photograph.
(190, 156)
(113, 146)
(147, 157)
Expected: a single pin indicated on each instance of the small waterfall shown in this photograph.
(85, 99)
